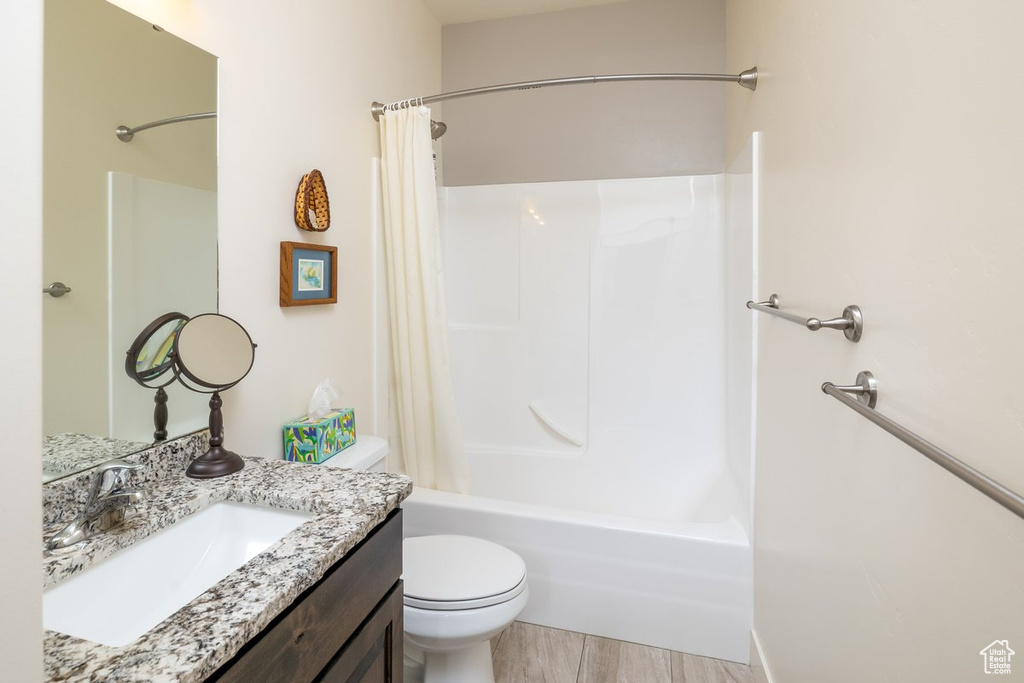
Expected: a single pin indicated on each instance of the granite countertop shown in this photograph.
(196, 640)
(69, 452)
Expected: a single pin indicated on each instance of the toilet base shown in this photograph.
(466, 665)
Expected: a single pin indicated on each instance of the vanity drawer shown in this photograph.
(313, 631)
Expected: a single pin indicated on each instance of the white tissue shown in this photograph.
(324, 398)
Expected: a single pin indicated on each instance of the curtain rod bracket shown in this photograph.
(748, 79)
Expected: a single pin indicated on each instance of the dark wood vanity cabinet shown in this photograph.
(346, 627)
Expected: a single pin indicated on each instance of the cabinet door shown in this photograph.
(374, 655)
(304, 639)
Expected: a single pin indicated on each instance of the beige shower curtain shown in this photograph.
(429, 436)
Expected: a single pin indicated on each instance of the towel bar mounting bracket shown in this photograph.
(866, 388)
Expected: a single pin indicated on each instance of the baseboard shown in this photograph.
(758, 662)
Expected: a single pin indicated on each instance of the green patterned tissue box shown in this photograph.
(314, 441)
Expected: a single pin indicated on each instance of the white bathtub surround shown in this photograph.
(141, 213)
(591, 344)
(429, 438)
(605, 438)
(587, 317)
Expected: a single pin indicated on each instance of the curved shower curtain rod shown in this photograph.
(125, 134)
(747, 79)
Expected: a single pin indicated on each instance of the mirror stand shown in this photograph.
(217, 461)
(160, 415)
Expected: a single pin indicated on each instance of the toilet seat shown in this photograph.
(452, 605)
(447, 573)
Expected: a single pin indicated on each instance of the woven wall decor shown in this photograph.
(312, 208)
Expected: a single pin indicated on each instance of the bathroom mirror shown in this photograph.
(130, 227)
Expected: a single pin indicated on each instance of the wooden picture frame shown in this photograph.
(309, 274)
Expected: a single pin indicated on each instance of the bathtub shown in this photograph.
(683, 585)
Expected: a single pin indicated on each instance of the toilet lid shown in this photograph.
(460, 572)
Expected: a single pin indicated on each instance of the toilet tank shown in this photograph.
(367, 453)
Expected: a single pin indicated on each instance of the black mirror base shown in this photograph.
(216, 462)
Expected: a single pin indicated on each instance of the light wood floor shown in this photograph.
(525, 653)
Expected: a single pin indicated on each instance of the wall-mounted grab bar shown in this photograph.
(851, 322)
(866, 392)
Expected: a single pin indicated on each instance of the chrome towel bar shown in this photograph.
(851, 322)
(866, 392)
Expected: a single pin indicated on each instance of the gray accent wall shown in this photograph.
(591, 131)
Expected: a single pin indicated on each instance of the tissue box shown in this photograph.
(314, 441)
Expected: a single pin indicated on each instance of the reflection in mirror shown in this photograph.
(213, 353)
(130, 227)
(149, 361)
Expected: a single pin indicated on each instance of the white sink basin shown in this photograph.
(116, 601)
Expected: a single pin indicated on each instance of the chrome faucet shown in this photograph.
(109, 504)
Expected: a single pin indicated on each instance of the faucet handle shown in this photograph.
(115, 464)
(109, 477)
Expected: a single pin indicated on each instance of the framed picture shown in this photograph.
(309, 274)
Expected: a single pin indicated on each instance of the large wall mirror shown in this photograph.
(130, 227)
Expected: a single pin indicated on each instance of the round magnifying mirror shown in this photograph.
(214, 351)
(149, 356)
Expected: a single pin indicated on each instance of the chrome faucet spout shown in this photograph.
(108, 505)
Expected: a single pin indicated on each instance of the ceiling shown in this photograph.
(464, 11)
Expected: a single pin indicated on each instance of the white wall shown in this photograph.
(586, 132)
(21, 580)
(295, 91)
(891, 178)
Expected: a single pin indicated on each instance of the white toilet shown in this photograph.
(459, 592)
